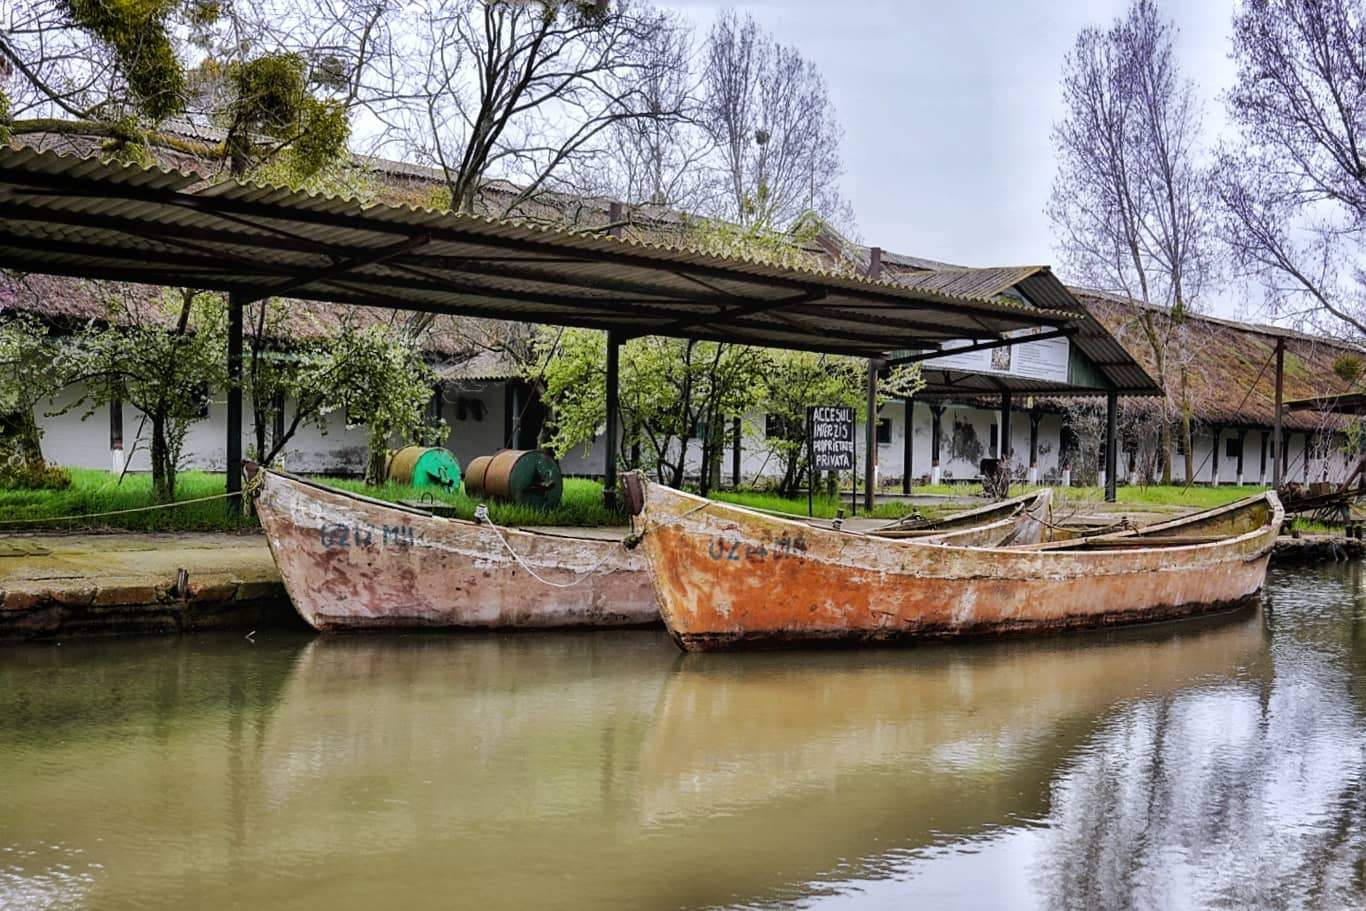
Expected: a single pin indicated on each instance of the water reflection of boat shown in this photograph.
(730, 577)
(887, 751)
(571, 770)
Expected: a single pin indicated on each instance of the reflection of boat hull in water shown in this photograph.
(938, 740)
(729, 577)
(350, 562)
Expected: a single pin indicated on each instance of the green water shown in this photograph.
(1217, 763)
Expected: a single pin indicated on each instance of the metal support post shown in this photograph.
(236, 304)
(1111, 444)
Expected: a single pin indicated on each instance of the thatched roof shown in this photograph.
(1229, 367)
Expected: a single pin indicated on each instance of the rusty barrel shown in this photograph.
(525, 476)
(424, 466)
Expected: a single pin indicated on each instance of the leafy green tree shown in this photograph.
(163, 356)
(303, 365)
(118, 69)
(382, 381)
(33, 368)
(674, 394)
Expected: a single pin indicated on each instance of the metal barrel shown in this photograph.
(475, 473)
(424, 466)
(525, 476)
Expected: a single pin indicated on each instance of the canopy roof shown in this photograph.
(1098, 363)
(83, 217)
(1340, 403)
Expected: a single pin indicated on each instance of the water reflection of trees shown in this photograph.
(1239, 793)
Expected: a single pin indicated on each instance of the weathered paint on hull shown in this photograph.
(353, 563)
(727, 577)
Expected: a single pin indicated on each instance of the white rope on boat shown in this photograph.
(481, 515)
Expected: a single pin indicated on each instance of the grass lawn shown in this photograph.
(94, 491)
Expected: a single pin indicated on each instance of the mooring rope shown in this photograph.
(481, 515)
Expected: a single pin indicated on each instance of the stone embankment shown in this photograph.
(55, 586)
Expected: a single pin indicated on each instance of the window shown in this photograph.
(776, 428)
(995, 437)
(884, 430)
(1233, 448)
(199, 395)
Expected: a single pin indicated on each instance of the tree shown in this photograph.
(770, 116)
(1293, 187)
(672, 392)
(163, 355)
(119, 71)
(518, 90)
(33, 368)
(380, 378)
(663, 160)
(1130, 200)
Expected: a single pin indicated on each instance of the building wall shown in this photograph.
(475, 413)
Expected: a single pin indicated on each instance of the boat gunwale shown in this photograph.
(1022, 551)
(410, 510)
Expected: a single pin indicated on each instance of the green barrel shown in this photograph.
(423, 466)
(525, 476)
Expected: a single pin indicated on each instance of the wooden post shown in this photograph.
(1006, 448)
(1305, 470)
(609, 474)
(236, 302)
(1111, 444)
(870, 438)
(1214, 457)
(1261, 474)
(614, 340)
(870, 432)
(1034, 418)
(907, 443)
(735, 454)
(116, 434)
(936, 423)
(1278, 442)
(1242, 438)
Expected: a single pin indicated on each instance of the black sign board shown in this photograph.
(832, 437)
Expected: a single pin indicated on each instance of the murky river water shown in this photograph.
(1215, 763)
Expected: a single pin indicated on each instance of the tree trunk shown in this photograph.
(1165, 456)
(160, 482)
(21, 428)
(1190, 445)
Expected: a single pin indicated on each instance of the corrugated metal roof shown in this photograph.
(83, 217)
(1037, 283)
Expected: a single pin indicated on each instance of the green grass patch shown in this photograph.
(823, 507)
(581, 504)
(93, 492)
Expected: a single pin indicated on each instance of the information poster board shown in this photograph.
(1044, 360)
(832, 437)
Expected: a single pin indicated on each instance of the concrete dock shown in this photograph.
(56, 585)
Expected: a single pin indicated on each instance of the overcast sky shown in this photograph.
(947, 107)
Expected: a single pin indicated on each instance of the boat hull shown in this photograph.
(726, 577)
(349, 562)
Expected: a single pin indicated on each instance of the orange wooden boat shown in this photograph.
(352, 562)
(730, 577)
